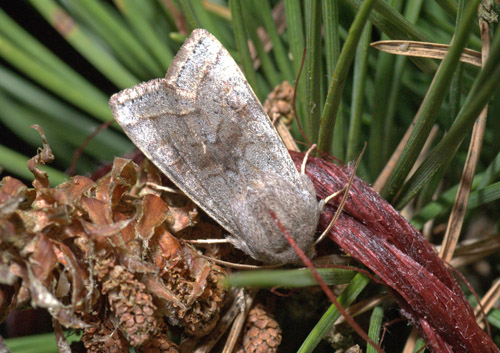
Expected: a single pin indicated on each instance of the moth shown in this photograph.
(205, 129)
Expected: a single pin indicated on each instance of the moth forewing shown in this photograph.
(204, 128)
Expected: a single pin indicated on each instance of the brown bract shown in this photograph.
(102, 256)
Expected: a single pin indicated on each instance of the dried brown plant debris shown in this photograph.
(279, 107)
(103, 256)
(104, 337)
(159, 343)
(279, 103)
(262, 331)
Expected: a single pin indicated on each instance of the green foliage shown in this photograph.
(348, 92)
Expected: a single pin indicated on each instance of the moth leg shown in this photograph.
(345, 189)
(335, 194)
(164, 188)
(207, 241)
(306, 157)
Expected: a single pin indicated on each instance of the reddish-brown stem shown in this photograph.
(323, 285)
(370, 230)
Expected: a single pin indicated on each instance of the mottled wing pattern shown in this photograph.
(205, 129)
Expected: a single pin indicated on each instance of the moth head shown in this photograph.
(262, 205)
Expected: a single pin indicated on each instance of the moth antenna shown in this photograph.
(306, 157)
(294, 106)
(344, 198)
(78, 153)
(164, 188)
(238, 266)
